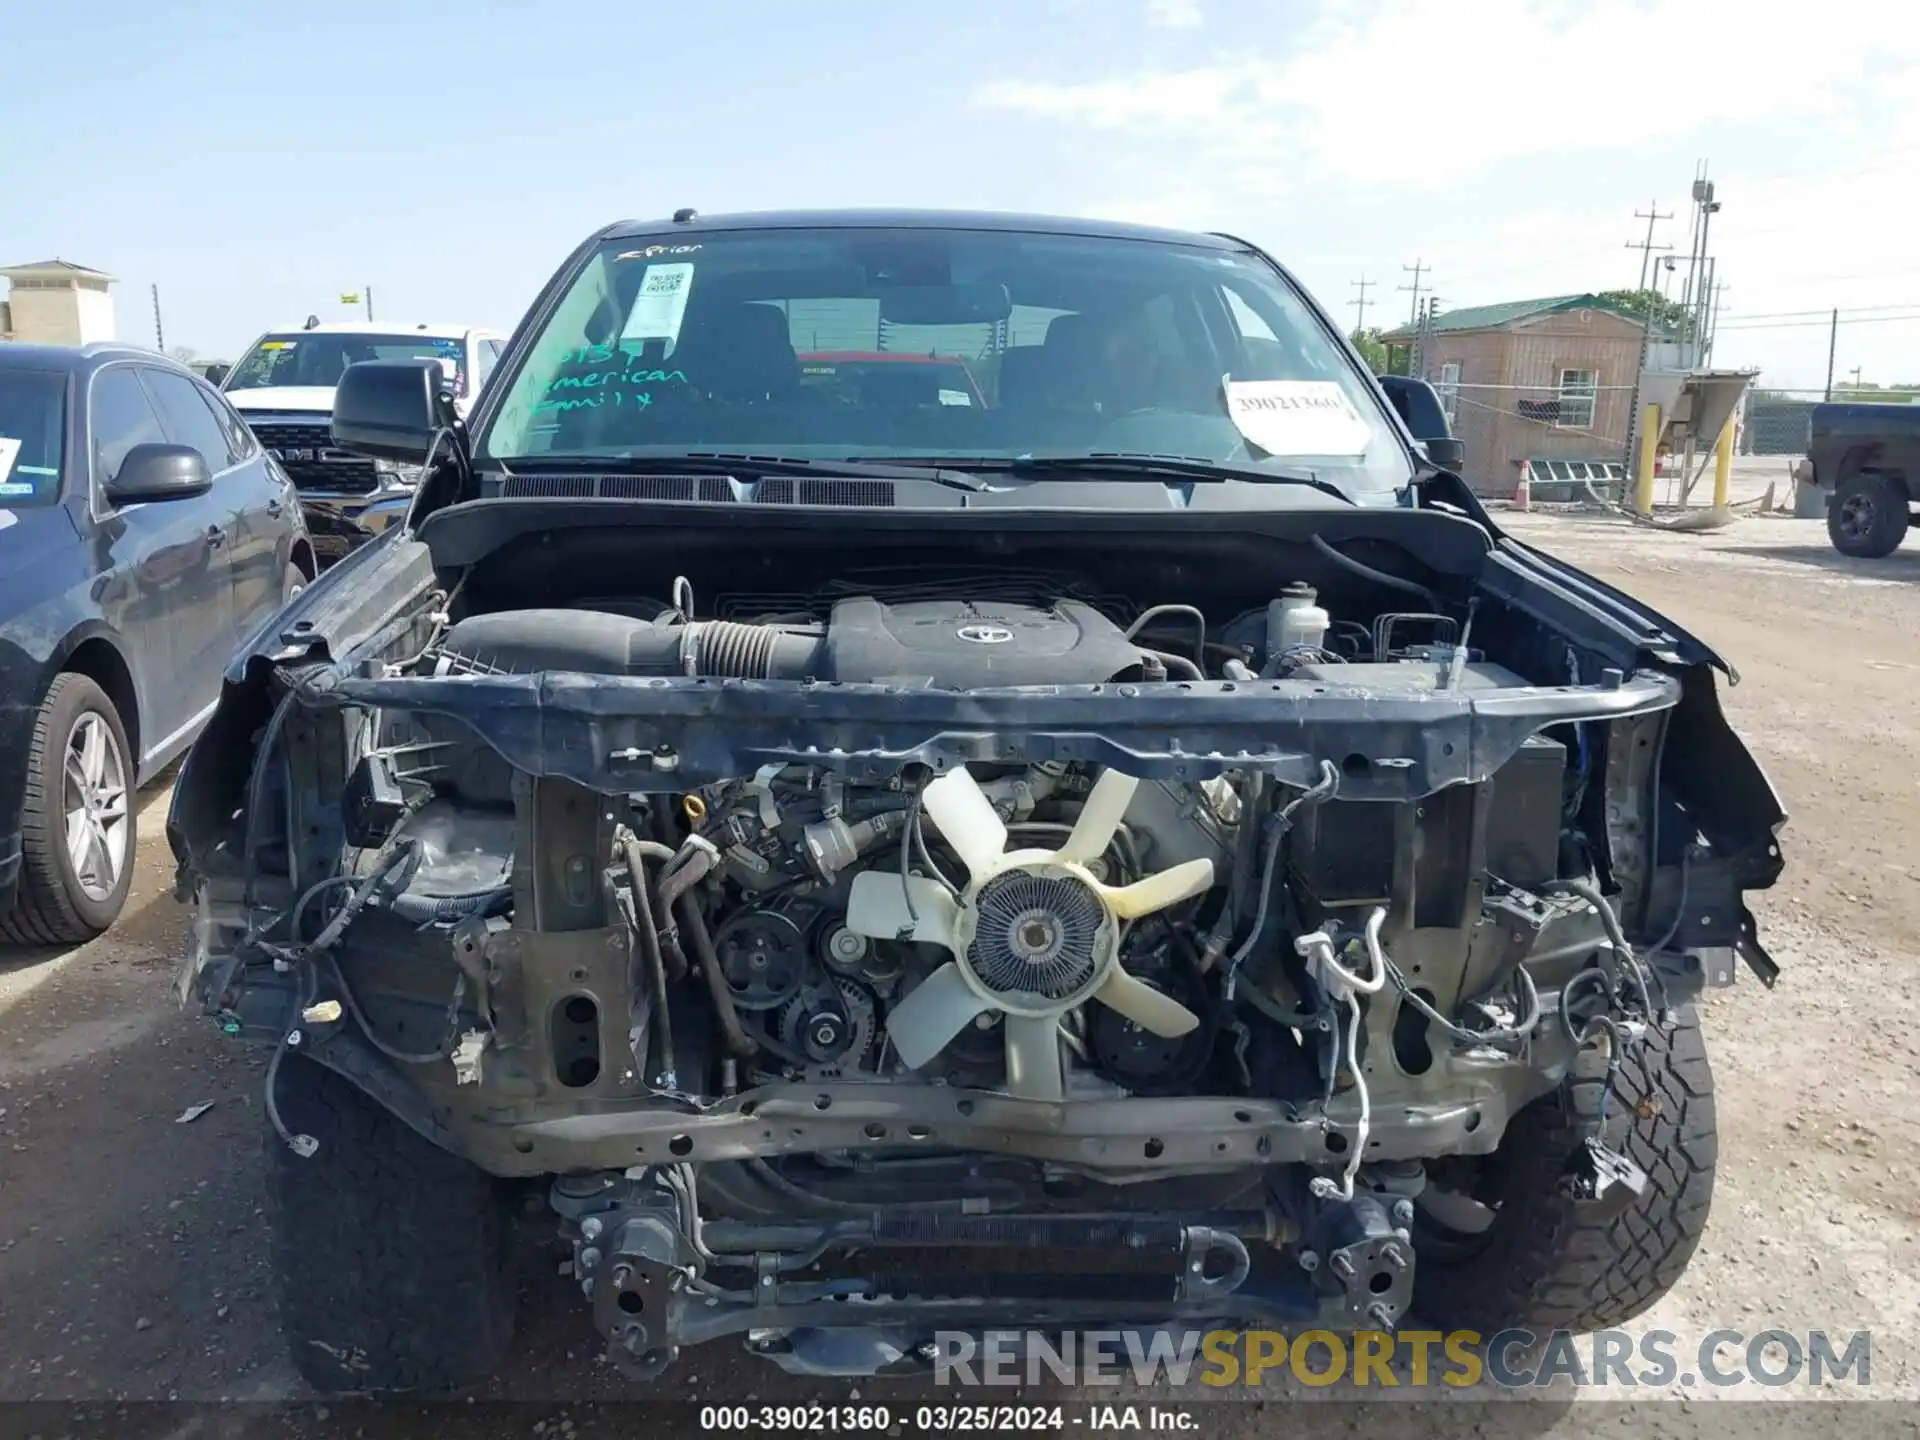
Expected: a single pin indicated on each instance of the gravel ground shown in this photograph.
(132, 1254)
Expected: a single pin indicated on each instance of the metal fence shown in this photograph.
(1775, 422)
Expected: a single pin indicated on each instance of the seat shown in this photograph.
(738, 352)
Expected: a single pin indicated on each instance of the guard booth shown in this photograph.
(1687, 415)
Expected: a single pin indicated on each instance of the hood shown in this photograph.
(316, 398)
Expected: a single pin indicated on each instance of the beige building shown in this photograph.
(56, 303)
(1547, 382)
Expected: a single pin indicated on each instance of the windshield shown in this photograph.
(305, 357)
(33, 417)
(949, 345)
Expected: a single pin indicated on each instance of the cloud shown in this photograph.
(1174, 14)
(1415, 95)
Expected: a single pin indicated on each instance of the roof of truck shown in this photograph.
(916, 220)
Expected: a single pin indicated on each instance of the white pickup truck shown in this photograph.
(283, 387)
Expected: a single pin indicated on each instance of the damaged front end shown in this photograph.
(908, 925)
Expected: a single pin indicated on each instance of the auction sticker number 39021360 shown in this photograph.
(1296, 417)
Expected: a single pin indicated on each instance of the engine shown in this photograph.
(955, 645)
(847, 902)
(1051, 931)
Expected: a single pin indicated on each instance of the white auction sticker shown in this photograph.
(661, 304)
(1296, 417)
(9, 452)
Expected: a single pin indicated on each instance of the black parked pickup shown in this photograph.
(144, 537)
(1867, 459)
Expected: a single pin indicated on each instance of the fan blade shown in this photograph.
(1156, 892)
(877, 908)
(1033, 1057)
(966, 820)
(1146, 1006)
(940, 1008)
(1100, 817)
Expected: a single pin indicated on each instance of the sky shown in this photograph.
(256, 162)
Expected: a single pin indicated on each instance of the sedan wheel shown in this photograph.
(97, 807)
(77, 820)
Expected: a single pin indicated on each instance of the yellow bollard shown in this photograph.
(1723, 465)
(1643, 472)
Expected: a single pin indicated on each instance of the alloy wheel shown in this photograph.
(95, 801)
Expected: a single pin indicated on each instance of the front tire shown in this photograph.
(388, 1253)
(78, 824)
(1544, 1262)
(1867, 515)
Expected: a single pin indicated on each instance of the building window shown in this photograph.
(1579, 389)
(1449, 390)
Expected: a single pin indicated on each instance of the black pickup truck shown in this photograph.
(1867, 459)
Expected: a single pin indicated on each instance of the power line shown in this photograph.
(1823, 310)
(1823, 324)
(1646, 247)
(1413, 310)
(1360, 305)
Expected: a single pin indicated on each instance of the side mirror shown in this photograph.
(159, 472)
(1419, 406)
(216, 374)
(389, 409)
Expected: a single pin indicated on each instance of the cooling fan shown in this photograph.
(1033, 934)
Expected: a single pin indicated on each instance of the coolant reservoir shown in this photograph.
(1295, 621)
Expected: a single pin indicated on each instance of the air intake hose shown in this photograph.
(598, 643)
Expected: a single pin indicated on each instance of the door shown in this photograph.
(266, 507)
(155, 575)
(270, 515)
(245, 550)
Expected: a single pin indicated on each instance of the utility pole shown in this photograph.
(1360, 305)
(368, 293)
(1833, 342)
(1856, 377)
(1413, 310)
(1646, 247)
(159, 335)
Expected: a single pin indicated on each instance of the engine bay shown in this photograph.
(813, 892)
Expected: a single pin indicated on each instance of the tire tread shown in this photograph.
(1552, 1267)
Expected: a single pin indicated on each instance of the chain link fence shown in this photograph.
(1776, 422)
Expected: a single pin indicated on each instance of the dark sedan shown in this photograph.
(144, 534)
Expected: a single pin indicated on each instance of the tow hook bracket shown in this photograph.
(1604, 1179)
(1753, 952)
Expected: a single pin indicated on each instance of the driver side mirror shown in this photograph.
(159, 472)
(216, 374)
(1419, 406)
(389, 409)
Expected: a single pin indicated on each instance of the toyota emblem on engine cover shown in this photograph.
(985, 634)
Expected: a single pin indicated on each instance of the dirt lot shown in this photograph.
(131, 1246)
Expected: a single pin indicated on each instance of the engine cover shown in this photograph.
(975, 644)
